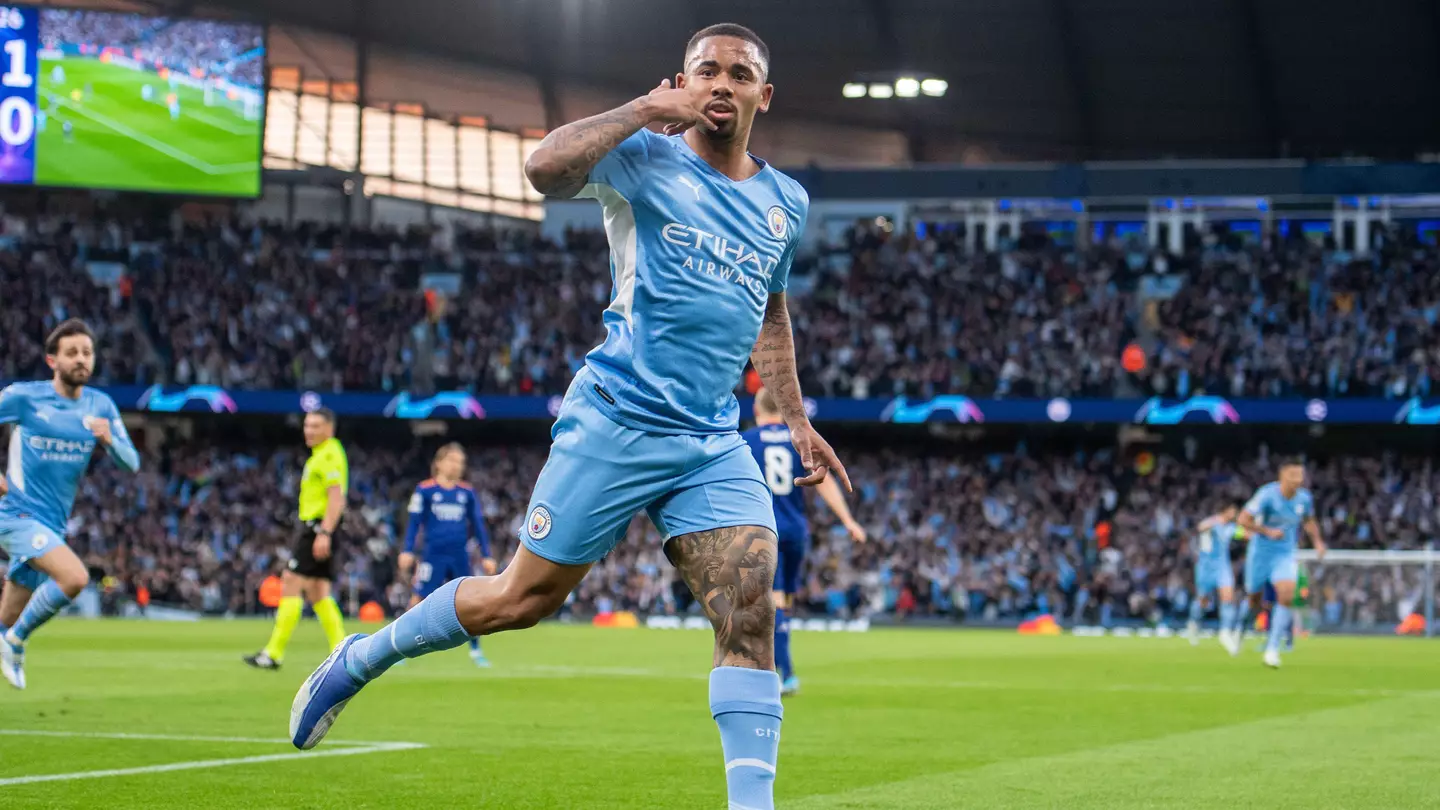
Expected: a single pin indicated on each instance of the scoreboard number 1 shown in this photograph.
(17, 76)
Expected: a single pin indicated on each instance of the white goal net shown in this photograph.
(1371, 591)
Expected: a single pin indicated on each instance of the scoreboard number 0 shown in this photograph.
(17, 121)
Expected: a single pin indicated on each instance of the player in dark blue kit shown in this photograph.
(769, 442)
(448, 511)
(702, 237)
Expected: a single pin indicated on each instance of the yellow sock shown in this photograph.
(286, 617)
(329, 615)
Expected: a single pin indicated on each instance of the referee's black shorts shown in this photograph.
(302, 560)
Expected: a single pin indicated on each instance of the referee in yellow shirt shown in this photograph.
(323, 485)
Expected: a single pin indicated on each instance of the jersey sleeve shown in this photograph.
(336, 470)
(122, 449)
(418, 507)
(477, 520)
(10, 405)
(780, 279)
(623, 168)
(1256, 505)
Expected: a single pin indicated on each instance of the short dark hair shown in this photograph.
(1291, 461)
(731, 30)
(324, 413)
(69, 328)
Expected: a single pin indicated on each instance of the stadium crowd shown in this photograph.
(990, 538)
(232, 50)
(877, 315)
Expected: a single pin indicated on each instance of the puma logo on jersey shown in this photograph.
(690, 184)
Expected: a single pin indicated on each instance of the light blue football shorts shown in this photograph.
(24, 540)
(1212, 576)
(1269, 561)
(600, 473)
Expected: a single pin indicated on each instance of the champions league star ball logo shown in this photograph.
(778, 221)
(540, 523)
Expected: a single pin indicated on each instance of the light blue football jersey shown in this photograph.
(50, 448)
(694, 257)
(1215, 544)
(1274, 511)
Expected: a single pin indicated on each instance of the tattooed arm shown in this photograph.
(774, 361)
(560, 166)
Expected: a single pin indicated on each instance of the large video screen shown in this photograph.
(98, 99)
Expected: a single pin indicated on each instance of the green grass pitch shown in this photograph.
(577, 717)
(122, 141)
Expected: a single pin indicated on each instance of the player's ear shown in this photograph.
(679, 80)
(766, 93)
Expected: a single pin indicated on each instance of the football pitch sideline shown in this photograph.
(164, 715)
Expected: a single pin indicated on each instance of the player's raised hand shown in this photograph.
(818, 457)
(677, 108)
(4, 488)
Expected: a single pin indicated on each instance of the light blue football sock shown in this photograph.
(1242, 615)
(430, 626)
(1197, 610)
(1228, 611)
(44, 604)
(1279, 623)
(746, 706)
(782, 644)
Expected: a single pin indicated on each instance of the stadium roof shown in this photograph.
(1028, 79)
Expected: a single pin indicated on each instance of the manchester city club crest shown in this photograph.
(539, 523)
(778, 221)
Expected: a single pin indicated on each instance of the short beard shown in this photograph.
(72, 379)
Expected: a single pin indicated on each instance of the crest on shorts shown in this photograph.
(539, 523)
(38, 542)
(778, 221)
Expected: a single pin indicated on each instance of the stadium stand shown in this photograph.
(962, 536)
(261, 306)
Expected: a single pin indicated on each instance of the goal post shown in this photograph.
(1368, 591)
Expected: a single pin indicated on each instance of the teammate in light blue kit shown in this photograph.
(1274, 517)
(448, 511)
(1214, 576)
(55, 426)
(702, 236)
(770, 444)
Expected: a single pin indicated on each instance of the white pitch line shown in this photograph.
(549, 671)
(104, 735)
(223, 126)
(158, 146)
(208, 763)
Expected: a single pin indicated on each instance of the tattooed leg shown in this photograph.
(731, 572)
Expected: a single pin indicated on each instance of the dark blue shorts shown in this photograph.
(436, 571)
(789, 569)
